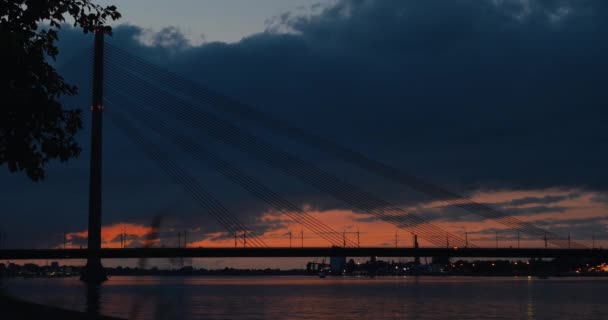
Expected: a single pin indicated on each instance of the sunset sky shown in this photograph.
(502, 101)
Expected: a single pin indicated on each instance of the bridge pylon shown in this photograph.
(94, 273)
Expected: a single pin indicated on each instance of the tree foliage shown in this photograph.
(34, 126)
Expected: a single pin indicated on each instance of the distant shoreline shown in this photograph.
(246, 275)
(341, 267)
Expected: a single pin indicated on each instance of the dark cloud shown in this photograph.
(469, 94)
(448, 213)
(581, 228)
(129, 237)
(535, 210)
(601, 198)
(453, 213)
(366, 219)
(575, 222)
(542, 200)
(466, 92)
(78, 241)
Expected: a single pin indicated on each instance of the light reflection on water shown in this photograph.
(330, 298)
(530, 300)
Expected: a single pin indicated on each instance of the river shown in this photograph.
(291, 297)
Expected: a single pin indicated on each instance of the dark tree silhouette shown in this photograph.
(34, 126)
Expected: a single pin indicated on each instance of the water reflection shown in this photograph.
(413, 309)
(93, 294)
(530, 309)
(381, 298)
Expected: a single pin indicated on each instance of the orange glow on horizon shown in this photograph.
(110, 235)
(375, 232)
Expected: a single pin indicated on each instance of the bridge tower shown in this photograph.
(94, 272)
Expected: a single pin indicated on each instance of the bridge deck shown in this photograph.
(106, 253)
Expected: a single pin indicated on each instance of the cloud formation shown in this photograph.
(474, 95)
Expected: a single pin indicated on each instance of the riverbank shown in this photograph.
(11, 308)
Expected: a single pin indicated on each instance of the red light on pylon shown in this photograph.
(97, 108)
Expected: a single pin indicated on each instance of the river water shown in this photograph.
(330, 298)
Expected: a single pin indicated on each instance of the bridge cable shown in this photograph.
(504, 219)
(438, 237)
(527, 228)
(387, 210)
(231, 172)
(353, 157)
(282, 160)
(204, 199)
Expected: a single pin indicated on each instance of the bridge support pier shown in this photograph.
(416, 257)
(94, 272)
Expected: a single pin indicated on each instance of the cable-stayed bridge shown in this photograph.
(312, 252)
(135, 94)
